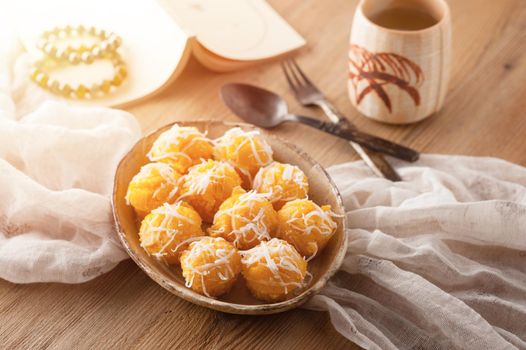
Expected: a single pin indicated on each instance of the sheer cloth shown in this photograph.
(437, 261)
(56, 175)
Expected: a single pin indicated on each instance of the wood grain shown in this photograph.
(484, 115)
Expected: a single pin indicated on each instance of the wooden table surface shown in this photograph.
(484, 115)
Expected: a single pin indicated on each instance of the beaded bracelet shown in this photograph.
(54, 57)
(40, 75)
(108, 42)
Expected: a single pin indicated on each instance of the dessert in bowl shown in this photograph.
(216, 241)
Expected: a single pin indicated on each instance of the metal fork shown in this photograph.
(309, 95)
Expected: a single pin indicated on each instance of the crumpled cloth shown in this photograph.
(437, 261)
(56, 175)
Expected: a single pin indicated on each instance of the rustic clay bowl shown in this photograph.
(238, 300)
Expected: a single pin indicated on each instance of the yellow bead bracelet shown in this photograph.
(40, 74)
(57, 56)
(107, 42)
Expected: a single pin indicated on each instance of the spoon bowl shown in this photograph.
(254, 104)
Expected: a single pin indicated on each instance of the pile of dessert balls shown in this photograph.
(223, 207)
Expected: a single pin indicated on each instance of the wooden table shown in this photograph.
(484, 115)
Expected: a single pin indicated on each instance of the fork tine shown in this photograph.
(289, 81)
(298, 69)
(292, 72)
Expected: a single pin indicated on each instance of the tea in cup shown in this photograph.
(399, 59)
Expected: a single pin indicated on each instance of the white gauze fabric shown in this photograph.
(56, 169)
(437, 261)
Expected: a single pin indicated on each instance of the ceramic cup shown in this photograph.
(399, 76)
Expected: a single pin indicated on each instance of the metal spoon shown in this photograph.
(265, 109)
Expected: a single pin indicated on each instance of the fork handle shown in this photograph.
(374, 143)
(331, 112)
(374, 160)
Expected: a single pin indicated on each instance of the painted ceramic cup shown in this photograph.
(399, 76)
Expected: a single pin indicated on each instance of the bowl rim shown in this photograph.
(224, 306)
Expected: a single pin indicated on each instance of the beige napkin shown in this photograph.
(437, 261)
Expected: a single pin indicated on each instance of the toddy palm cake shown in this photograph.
(181, 147)
(306, 225)
(153, 185)
(211, 266)
(283, 183)
(245, 219)
(246, 151)
(165, 231)
(273, 270)
(207, 185)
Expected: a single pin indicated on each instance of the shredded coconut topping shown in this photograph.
(219, 261)
(292, 178)
(308, 224)
(199, 178)
(174, 143)
(169, 226)
(278, 256)
(168, 174)
(250, 228)
(261, 151)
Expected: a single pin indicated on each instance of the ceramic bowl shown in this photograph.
(238, 300)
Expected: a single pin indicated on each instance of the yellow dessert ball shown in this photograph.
(307, 226)
(211, 266)
(245, 219)
(207, 185)
(181, 147)
(247, 151)
(153, 185)
(282, 182)
(168, 230)
(273, 270)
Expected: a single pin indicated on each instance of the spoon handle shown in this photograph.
(374, 143)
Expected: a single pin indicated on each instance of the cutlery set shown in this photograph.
(266, 109)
